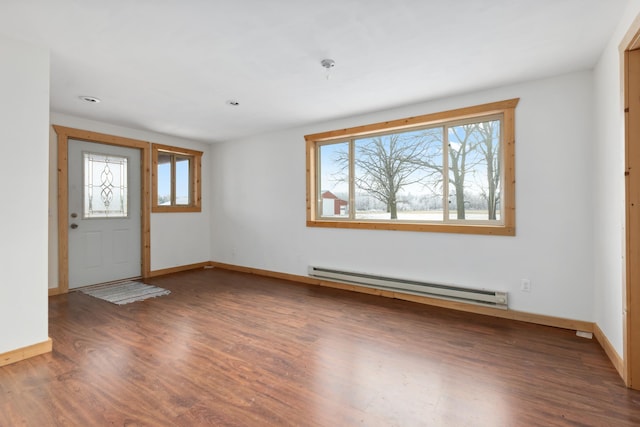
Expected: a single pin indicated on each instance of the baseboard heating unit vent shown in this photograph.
(474, 296)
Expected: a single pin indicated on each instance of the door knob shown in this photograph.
(74, 226)
(74, 215)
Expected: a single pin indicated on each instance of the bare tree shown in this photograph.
(471, 145)
(386, 164)
(490, 148)
(461, 145)
(460, 161)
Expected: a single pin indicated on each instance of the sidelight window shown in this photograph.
(176, 179)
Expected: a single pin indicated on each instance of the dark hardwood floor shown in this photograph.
(231, 349)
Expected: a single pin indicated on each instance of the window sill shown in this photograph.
(175, 209)
(493, 230)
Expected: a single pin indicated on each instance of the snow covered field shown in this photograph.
(421, 215)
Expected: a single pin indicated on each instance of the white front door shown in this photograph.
(104, 213)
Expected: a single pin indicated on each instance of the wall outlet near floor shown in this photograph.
(525, 285)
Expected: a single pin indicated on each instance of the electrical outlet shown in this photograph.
(525, 285)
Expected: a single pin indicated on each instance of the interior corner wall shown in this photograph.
(177, 239)
(609, 185)
(24, 119)
(259, 216)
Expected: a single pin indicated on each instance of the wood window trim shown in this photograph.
(196, 179)
(505, 108)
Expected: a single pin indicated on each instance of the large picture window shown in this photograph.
(451, 172)
(176, 179)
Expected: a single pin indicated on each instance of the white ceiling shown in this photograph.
(169, 66)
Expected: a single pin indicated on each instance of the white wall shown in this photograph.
(553, 207)
(609, 198)
(177, 239)
(24, 117)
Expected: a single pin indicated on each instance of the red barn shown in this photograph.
(332, 205)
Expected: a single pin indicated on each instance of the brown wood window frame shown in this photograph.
(505, 109)
(195, 178)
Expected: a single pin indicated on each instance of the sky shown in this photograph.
(182, 180)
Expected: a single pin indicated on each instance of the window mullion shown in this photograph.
(173, 180)
(318, 165)
(352, 181)
(319, 201)
(445, 173)
(502, 166)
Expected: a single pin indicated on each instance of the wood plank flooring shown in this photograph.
(231, 349)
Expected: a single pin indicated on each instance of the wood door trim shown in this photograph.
(631, 288)
(64, 134)
(631, 299)
(632, 219)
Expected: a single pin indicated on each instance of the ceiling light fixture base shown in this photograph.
(328, 64)
(90, 99)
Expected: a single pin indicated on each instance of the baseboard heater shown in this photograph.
(433, 290)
